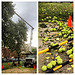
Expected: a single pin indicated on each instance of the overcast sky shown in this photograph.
(28, 11)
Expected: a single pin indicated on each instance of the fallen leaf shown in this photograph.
(72, 66)
(52, 57)
(47, 57)
(68, 68)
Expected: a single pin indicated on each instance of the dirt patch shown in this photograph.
(20, 70)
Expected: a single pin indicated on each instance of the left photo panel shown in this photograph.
(19, 37)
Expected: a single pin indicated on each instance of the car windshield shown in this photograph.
(31, 56)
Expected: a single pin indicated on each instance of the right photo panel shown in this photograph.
(55, 37)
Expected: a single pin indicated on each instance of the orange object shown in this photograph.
(45, 50)
(21, 66)
(16, 64)
(69, 22)
(34, 66)
(8, 63)
(73, 4)
(2, 66)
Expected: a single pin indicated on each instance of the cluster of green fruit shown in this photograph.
(50, 9)
(52, 63)
(49, 65)
(53, 29)
(61, 49)
(52, 44)
(66, 32)
(69, 52)
(59, 60)
(60, 34)
(48, 19)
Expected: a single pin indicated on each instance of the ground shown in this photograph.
(19, 70)
(41, 58)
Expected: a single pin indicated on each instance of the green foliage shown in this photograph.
(13, 34)
(34, 50)
(7, 13)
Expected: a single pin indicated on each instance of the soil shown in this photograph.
(41, 58)
(20, 70)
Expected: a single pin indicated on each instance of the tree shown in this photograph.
(34, 50)
(7, 13)
(20, 35)
(13, 34)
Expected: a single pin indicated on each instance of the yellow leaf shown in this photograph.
(47, 57)
(68, 68)
(50, 53)
(72, 65)
(55, 50)
(52, 57)
(56, 55)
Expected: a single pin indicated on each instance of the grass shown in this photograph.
(60, 10)
(9, 65)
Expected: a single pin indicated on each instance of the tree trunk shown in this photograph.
(18, 59)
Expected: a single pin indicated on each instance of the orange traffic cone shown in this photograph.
(16, 64)
(69, 22)
(34, 66)
(2, 66)
(73, 4)
(21, 66)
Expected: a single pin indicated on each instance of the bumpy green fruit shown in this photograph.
(51, 29)
(69, 37)
(53, 63)
(63, 49)
(60, 34)
(42, 19)
(54, 29)
(71, 56)
(49, 20)
(52, 44)
(46, 39)
(44, 68)
(49, 66)
(65, 36)
(58, 57)
(59, 61)
(60, 50)
(56, 43)
(69, 52)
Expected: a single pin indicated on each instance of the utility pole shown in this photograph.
(30, 49)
